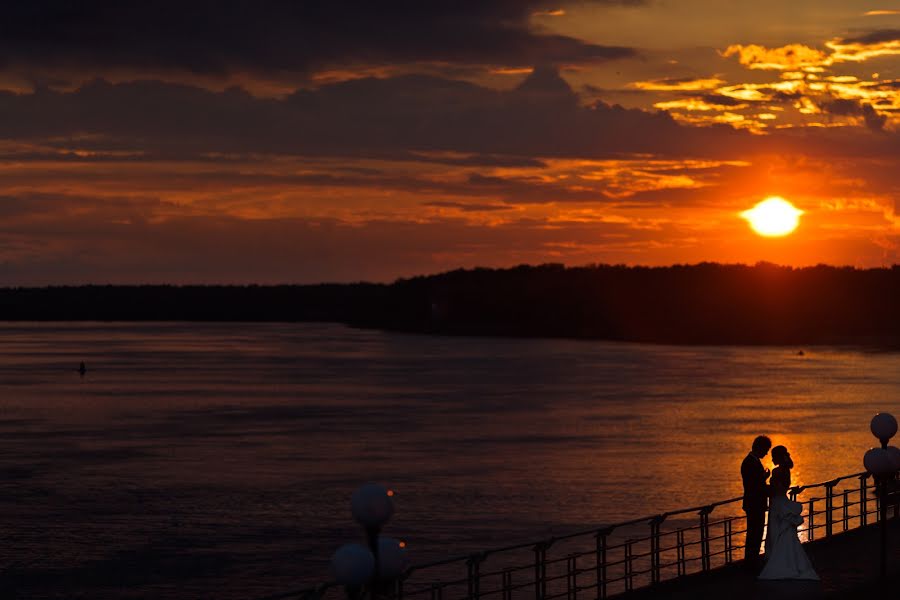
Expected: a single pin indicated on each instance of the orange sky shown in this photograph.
(344, 141)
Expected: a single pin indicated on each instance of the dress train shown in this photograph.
(785, 556)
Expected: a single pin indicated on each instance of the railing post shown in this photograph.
(863, 500)
(845, 514)
(811, 534)
(399, 587)
(601, 562)
(507, 584)
(572, 577)
(540, 569)
(727, 524)
(655, 523)
(473, 568)
(704, 536)
(829, 507)
(881, 482)
(628, 576)
(437, 591)
(879, 516)
(680, 560)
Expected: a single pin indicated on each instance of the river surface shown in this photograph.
(218, 460)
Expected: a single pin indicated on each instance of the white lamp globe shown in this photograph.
(392, 558)
(883, 426)
(353, 564)
(878, 462)
(893, 453)
(371, 505)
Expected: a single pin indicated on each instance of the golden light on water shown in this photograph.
(773, 217)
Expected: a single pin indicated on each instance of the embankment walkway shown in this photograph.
(848, 564)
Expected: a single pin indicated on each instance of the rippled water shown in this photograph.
(201, 460)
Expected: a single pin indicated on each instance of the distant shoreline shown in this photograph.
(858, 346)
(704, 304)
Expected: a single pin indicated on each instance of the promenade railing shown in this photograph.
(604, 561)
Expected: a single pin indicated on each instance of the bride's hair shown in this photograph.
(780, 457)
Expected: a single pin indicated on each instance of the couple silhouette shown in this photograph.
(785, 557)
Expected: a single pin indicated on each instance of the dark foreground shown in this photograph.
(847, 563)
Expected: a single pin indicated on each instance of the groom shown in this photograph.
(756, 498)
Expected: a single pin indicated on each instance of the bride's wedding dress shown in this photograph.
(785, 556)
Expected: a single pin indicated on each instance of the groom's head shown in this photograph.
(761, 446)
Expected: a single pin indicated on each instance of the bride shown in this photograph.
(785, 557)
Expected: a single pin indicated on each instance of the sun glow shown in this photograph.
(773, 217)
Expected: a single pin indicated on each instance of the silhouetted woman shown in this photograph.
(785, 556)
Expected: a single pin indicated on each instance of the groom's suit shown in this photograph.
(756, 503)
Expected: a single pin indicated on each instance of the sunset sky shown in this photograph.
(269, 142)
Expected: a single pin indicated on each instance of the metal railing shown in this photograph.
(601, 562)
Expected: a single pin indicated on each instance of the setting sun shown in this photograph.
(773, 217)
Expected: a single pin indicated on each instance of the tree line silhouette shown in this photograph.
(707, 303)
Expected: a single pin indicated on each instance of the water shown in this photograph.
(217, 460)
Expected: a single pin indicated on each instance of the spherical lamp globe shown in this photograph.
(894, 454)
(878, 462)
(883, 426)
(371, 505)
(392, 558)
(353, 564)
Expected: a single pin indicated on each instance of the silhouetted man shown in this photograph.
(756, 497)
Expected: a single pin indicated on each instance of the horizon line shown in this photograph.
(758, 264)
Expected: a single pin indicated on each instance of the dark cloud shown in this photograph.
(545, 82)
(671, 197)
(842, 107)
(593, 90)
(477, 160)
(852, 108)
(57, 205)
(721, 100)
(513, 190)
(410, 118)
(876, 37)
(406, 116)
(785, 97)
(466, 207)
(218, 38)
(531, 190)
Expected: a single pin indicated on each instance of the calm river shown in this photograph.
(217, 460)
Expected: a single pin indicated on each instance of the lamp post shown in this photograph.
(381, 559)
(372, 508)
(882, 463)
